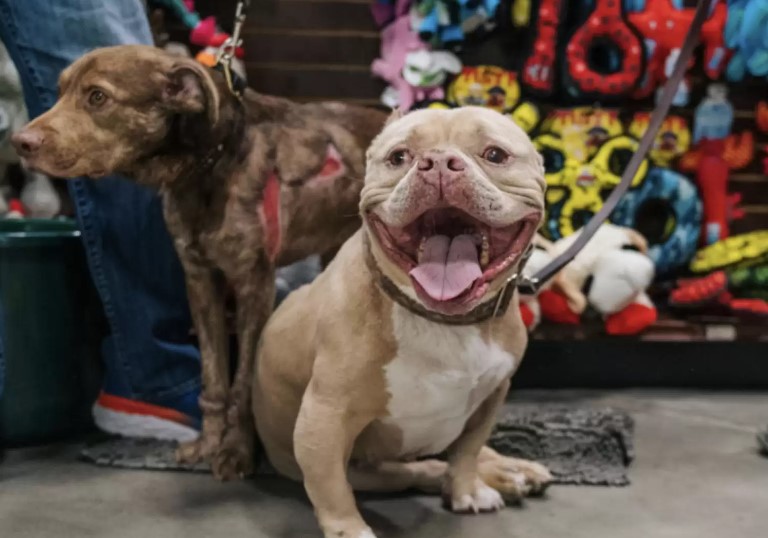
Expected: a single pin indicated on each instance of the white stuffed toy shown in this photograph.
(610, 274)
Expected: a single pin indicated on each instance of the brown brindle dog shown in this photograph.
(247, 185)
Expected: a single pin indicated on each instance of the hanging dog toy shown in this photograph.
(716, 153)
(605, 29)
(538, 73)
(662, 27)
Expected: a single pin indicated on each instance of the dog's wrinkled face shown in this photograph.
(113, 109)
(452, 199)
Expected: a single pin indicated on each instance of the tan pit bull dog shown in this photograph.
(404, 347)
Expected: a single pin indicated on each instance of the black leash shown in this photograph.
(530, 285)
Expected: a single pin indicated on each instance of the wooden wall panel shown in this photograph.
(307, 49)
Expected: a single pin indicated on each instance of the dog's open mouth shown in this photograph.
(452, 256)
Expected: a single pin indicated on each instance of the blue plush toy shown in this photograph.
(667, 207)
(746, 33)
(448, 21)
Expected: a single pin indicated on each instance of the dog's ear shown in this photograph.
(191, 90)
(395, 115)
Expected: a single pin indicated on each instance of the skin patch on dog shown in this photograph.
(449, 370)
(269, 212)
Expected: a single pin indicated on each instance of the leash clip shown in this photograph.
(228, 49)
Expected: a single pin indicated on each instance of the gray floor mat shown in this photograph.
(580, 446)
(589, 447)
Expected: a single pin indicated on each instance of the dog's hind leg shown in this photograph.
(205, 290)
(255, 298)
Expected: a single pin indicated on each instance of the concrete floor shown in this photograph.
(697, 475)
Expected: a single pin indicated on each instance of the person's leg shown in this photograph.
(152, 381)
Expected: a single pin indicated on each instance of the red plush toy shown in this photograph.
(712, 161)
(539, 69)
(605, 25)
(664, 27)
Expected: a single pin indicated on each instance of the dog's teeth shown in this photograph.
(421, 249)
(485, 251)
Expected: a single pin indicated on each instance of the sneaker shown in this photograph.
(134, 418)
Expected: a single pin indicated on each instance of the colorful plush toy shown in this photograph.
(485, 85)
(604, 28)
(540, 68)
(446, 23)
(611, 274)
(667, 210)
(414, 72)
(744, 250)
(735, 281)
(577, 186)
(585, 153)
(746, 33)
(663, 25)
(204, 33)
(589, 126)
(742, 292)
(717, 152)
(671, 142)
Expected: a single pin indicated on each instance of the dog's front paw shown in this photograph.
(478, 498)
(206, 445)
(515, 478)
(235, 456)
(197, 451)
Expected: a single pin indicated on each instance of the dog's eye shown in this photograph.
(495, 155)
(398, 157)
(97, 98)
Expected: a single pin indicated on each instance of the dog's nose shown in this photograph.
(27, 142)
(444, 163)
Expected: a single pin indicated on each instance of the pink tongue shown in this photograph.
(448, 267)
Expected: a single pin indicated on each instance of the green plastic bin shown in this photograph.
(52, 326)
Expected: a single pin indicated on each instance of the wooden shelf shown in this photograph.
(708, 352)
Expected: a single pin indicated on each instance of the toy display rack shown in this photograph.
(311, 50)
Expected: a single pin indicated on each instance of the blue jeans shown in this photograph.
(149, 354)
